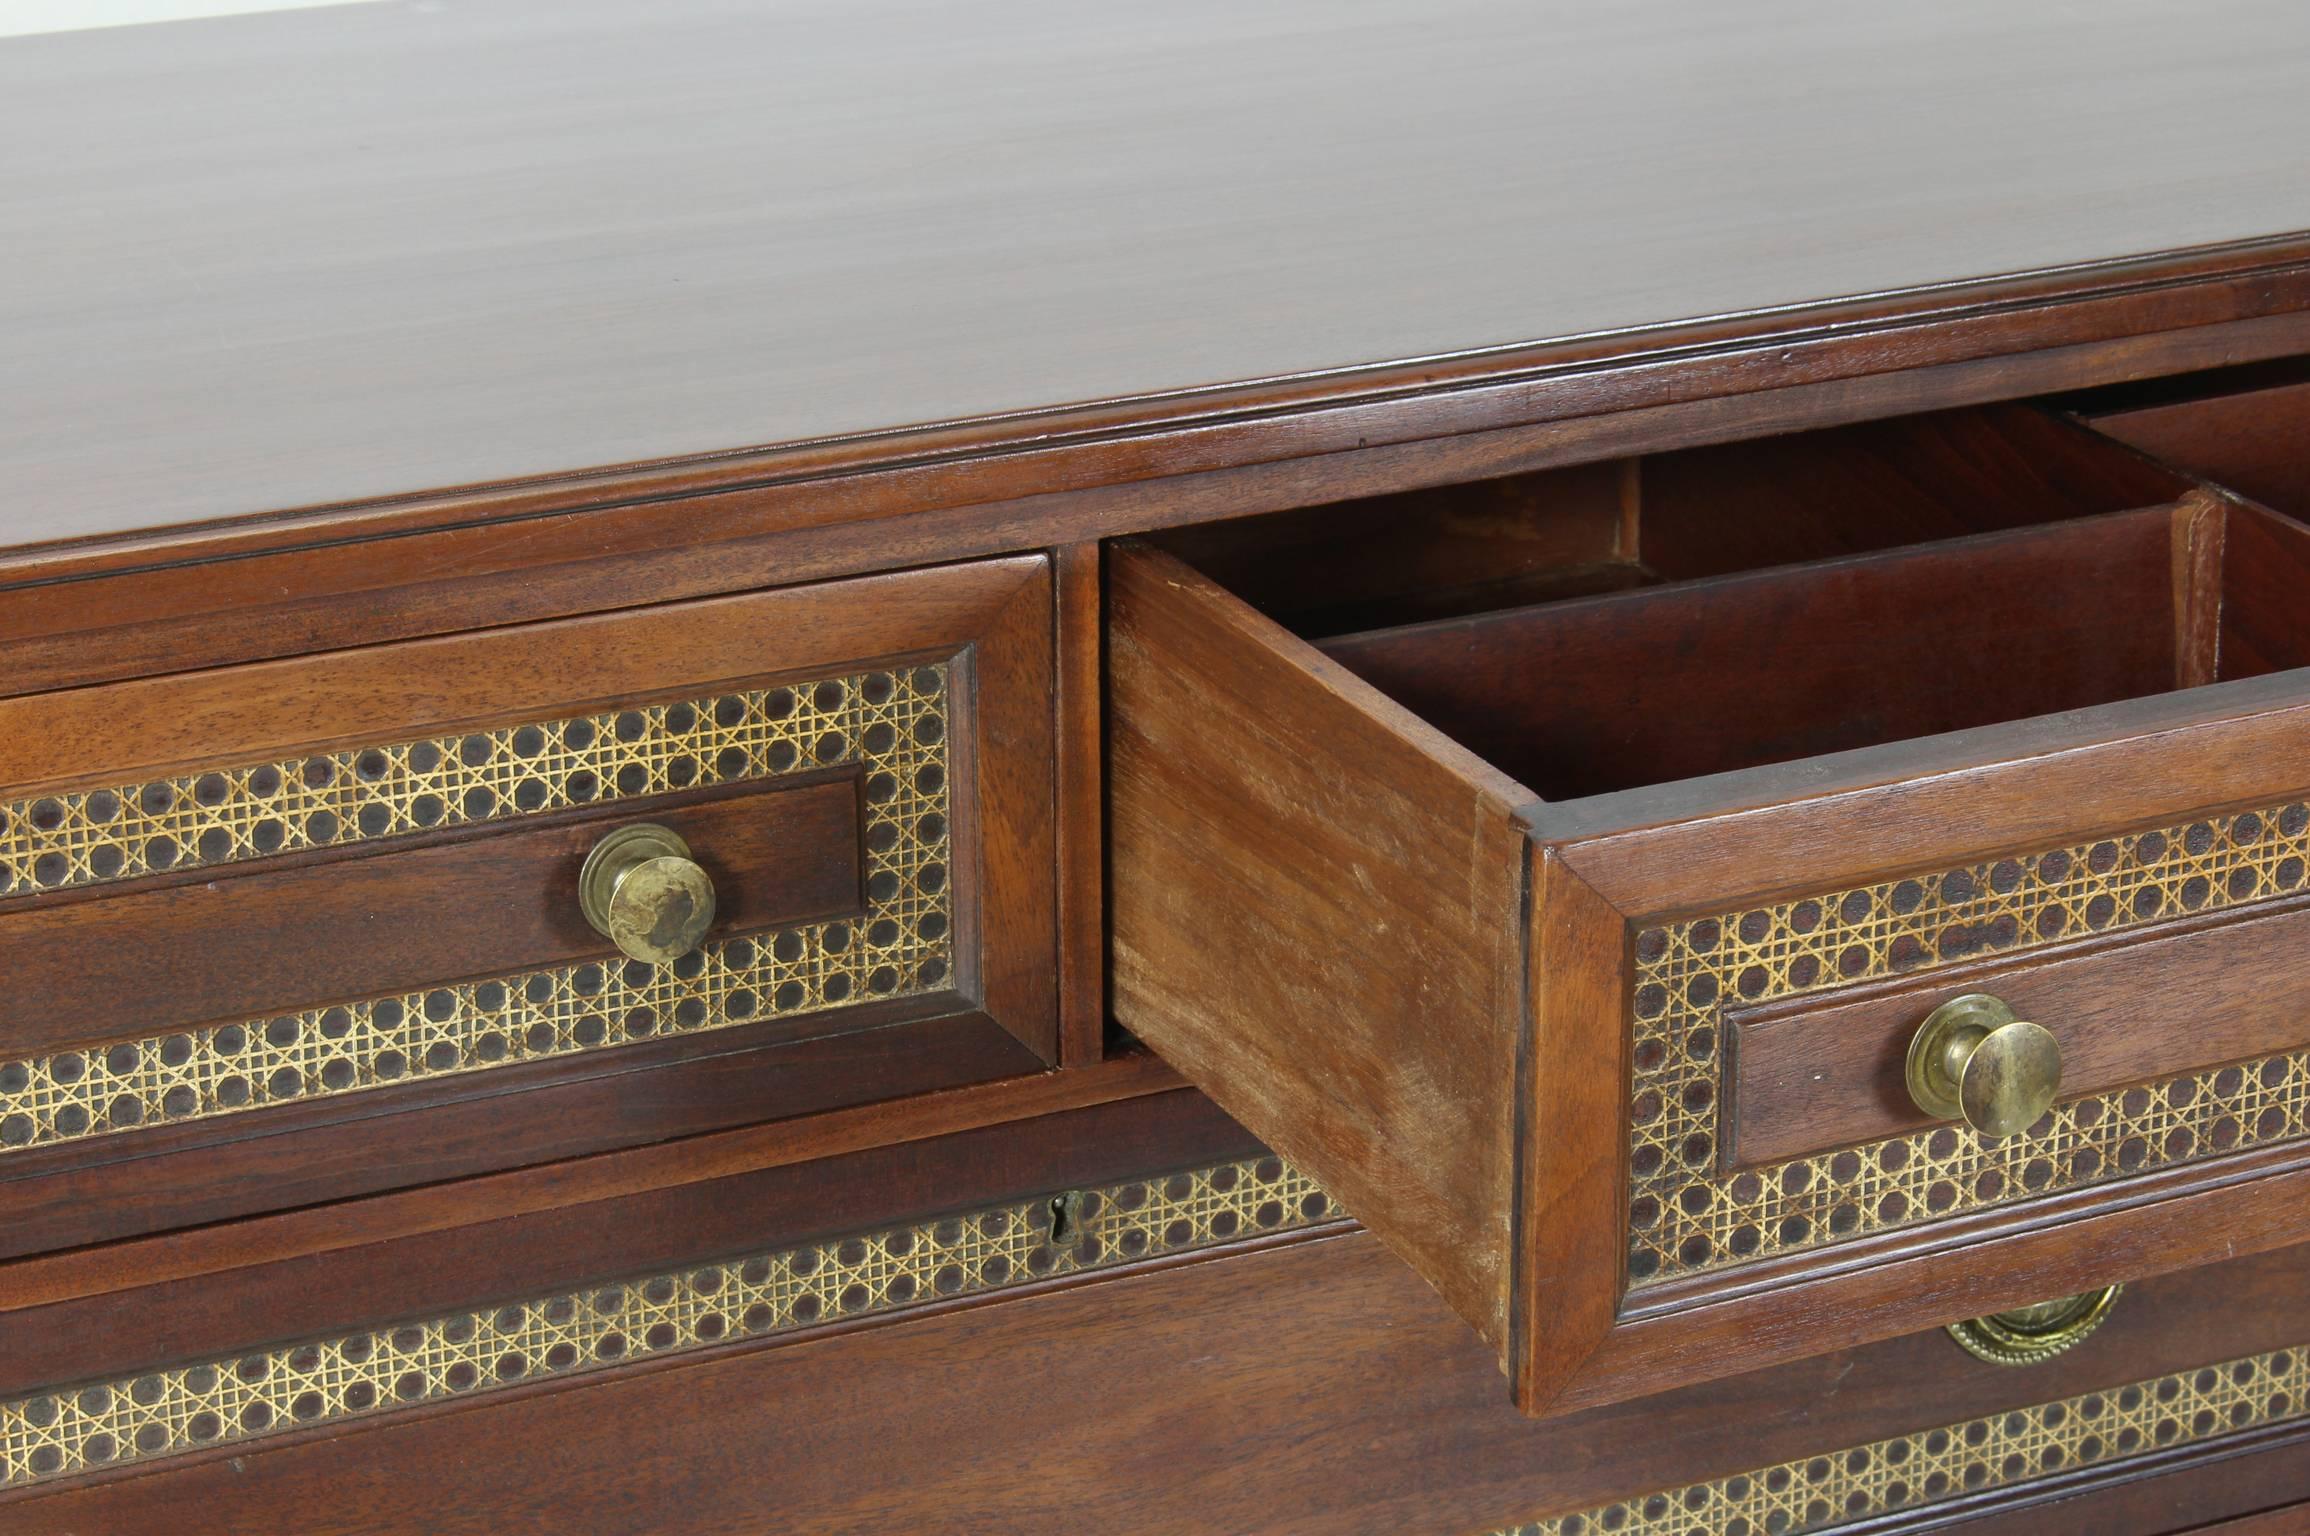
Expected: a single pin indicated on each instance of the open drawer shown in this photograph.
(1576, 933)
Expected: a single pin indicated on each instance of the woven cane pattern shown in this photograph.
(890, 727)
(269, 1392)
(1687, 1216)
(1822, 1493)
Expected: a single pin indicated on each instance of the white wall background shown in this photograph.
(18, 17)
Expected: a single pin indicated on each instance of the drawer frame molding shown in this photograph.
(1688, 1215)
(889, 726)
(580, 1331)
(1998, 1450)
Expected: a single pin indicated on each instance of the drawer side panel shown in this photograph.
(1317, 918)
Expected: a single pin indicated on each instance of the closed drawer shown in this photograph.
(297, 930)
(761, 1346)
(191, 1350)
(1579, 946)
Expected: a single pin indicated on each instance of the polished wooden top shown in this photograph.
(283, 261)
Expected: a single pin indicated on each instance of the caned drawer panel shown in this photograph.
(339, 896)
(991, 1314)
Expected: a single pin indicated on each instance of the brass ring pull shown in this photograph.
(1972, 1060)
(2027, 1335)
(642, 889)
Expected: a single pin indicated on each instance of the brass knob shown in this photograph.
(641, 887)
(2027, 1335)
(1973, 1060)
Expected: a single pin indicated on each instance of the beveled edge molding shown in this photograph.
(1687, 1216)
(1507, 384)
(1999, 1450)
(891, 724)
(345, 1378)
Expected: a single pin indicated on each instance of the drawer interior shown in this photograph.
(2247, 429)
(1607, 628)
(1666, 518)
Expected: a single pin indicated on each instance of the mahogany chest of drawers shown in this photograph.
(1238, 770)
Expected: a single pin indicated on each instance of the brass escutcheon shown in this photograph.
(2026, 1335)
(640, 887)
(1972, 1060)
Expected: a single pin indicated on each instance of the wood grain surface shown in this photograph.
(1314, 1388)
(2248, 437)
(1316, 905)
(1680, 681)
(266, 262)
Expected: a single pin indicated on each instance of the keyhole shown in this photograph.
(1066, 1218)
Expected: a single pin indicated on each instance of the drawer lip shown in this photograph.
(478, 677)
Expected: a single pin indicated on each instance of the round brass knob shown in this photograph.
(1973, 1060)
(2027, 1335)
(641, 887)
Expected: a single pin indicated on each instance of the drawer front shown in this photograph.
(1992, 1462)
(349, 885)
(1105, 1360)
(518, 1293)
(2221, 1002)
(1776, 1156)
(1624, 1075)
